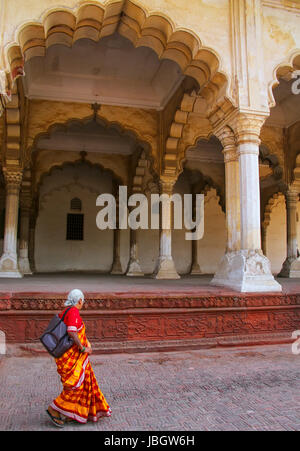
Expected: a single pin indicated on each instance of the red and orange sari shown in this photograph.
(81, 398)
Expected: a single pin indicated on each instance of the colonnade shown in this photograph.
(243, 267)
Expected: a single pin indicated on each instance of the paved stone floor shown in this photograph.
(106, 283)
(224, 389)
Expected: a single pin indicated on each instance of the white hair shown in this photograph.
(74, 297)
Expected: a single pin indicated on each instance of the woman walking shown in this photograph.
(81, 399)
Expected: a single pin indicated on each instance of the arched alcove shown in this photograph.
(67, 240)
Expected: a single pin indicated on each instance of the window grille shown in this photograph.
(75, 227)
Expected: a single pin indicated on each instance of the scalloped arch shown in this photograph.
(271, 204)
(94, 21)
(116, 179)
(283, 69)
(266, 154)
(80, 122)
(205, 136)
(203, 184)
(176, 148)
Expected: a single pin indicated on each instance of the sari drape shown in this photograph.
(81, 398)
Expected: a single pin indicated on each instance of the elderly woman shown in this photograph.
(81, 399)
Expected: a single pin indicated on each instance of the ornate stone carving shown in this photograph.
(246, 271)
(247, 127)
(256, 263)
(25, 206)
(165, 265)
(9, 258)
(291, 266)
(50, 303)
(163, 318)
(225, 134)
(166, 185)
(13, 179)
(292, 197)
(227, 138)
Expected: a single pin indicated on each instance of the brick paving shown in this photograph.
(253, 388)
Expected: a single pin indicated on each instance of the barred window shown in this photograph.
(76, 204)
(75, 226)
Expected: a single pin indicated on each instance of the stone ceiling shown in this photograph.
(111, 71)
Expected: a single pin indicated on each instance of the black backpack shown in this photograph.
(56, 338)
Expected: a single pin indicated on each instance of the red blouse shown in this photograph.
(72, 319)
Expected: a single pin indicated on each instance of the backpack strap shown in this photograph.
(63, 317)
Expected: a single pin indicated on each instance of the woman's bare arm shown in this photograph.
(74, 336)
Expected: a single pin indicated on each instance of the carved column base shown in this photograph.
(117, 268)
(247, 272)
(24, 266)
(290, 268)
(166, 269)
(196, 270)
(9, 267)
(134, 269)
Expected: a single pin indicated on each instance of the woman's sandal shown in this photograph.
(56, 420)
(70, 420)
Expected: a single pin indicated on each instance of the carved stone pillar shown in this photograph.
(232, 188)
(117, 267)
(31, 246)
(195, 267)
(248, 151)
(291, 266)
(166, 267)
(247, 269)
(264, 239)
(9, 260)
(25, 205)
(134, 267)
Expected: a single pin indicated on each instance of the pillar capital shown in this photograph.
(226, 136)
(292, 197)
(247, 127)
(166, 185)
(13, 179)
(227, 139)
